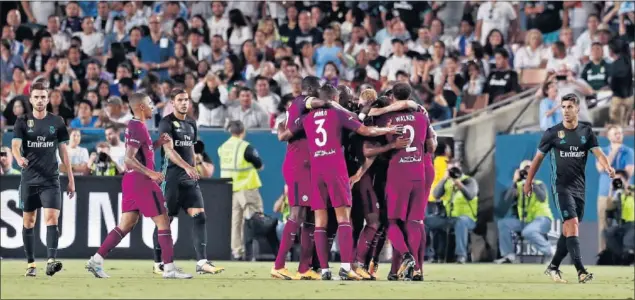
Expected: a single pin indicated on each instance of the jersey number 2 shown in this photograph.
(321, 140)
(411, 137)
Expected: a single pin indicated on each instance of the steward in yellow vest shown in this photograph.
(620, 238)
(241, 162)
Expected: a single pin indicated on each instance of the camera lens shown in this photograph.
(617, 184)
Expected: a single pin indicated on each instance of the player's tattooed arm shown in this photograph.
(171, 154)
(132, 163)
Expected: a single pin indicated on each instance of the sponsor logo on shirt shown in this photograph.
(40, 143)
(410, 159)
(323, 153)
(573, 152)
(187, 142)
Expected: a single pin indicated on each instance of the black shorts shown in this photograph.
(181, 195)
(570, 205)
(33, 197)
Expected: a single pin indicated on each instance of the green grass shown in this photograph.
(132, 279)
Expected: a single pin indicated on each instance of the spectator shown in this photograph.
(398, 31)
(288, 30)
(218, 23)
(63, 78)
(621, 74)
(58, 107)
(204, 164)
(8, 34)
(198, 23)
(231, 74)
(475, 82)
(437, 32)
(20, 85)
(475, 52)
(8, 61)
(545, 16)
(74, 60)
(267, 100)
(241, 162)
(238, 32)
(217, 59)
(331, 74)
(92, 96)
(134, 15)
(566, 36)
(249, 113)
(450, 85)
(38, 16)
(263, 47)
(362, 63)
(38, 58)
(561, 61)
(251, 60)
(620, 157)
(495, 40)
(22, 32)
(269, 31)
(85, 117)
(296, 88)
(104, 20)
(118, 34)
(375, 60)
(211, 99)
(155, 53)
(196, 46)
(286, 74)
(180, 31)
(397, 62)
(103, 89)
(595, 73)
(61, 39)
(93, 76)
(126, 88)
(534, 54)
(117, 113)
(602, 36)
(101, 163)
(117, 148)
(585, 40)
(424, 43)
(620, 233)
(550, 112)
(305, 59)
(568, 83)
(306, 32)
(358, 41)
(453, 15)
(503, 81)
(465, 37)
(15, 108)
(72, 23)
(495, 15)
(77, 155)
(328, 52)
(6, 162)
(92, 41)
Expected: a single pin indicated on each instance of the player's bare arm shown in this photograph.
(16, 150)
(535, 164)
(163, 139)
(284, 134)
(379, 131)
(362, 170)
(372, 150)
(396, 106)
(172, 155)
(67, 165)
(132, 163)
(603, 161)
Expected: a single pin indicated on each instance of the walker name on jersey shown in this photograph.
(40, 143)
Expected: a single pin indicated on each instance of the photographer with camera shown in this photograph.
(204, 164)
(101, 164)
(620, 233)
(458, 192)
(6, 162)
(531, 216)
(620, 157)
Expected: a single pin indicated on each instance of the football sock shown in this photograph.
(307, 244)
(413, 231)
(364, 244)
(378, 244)
(422, 247)
(167, 248)
(112, 240)
(345, 241)
(396, 237)
(288, 238)
(156, 247)
(395, 261)
(28, 238)
(561, 252)
(199, 236)
(573, 245)
(321, 247)
(52, 237)
(345, 266)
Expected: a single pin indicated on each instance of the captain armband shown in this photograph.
(307, 102)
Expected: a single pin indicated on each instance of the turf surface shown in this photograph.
(132, 279)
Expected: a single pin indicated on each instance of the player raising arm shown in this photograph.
(37, 136)
(568, 143)
(140, 193)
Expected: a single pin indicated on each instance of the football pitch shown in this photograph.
(132, 279)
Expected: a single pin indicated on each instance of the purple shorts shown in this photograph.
(330, 190)
(428, 179)
(298, 180)
(367, 194)
(404, 200)
(141, 194)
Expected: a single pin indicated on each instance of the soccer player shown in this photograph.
(37, 136)
(141, 193)
(404, 184)
(180, 188)
(323, 128)
(568, 143)
(297, 176)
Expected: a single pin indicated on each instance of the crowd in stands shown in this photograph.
(245, 60)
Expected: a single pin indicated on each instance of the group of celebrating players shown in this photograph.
(347, 155)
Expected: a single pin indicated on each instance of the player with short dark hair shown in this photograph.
(180, 188)
(568, 143)
(140, 192)
(37, 136)
(405, 181)
(330, 183)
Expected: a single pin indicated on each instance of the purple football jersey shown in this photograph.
(137, 136)
(407, 163)
(323, 129)
(297, 148)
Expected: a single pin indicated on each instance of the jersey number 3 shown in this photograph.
(411, 137)
(321, 140)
